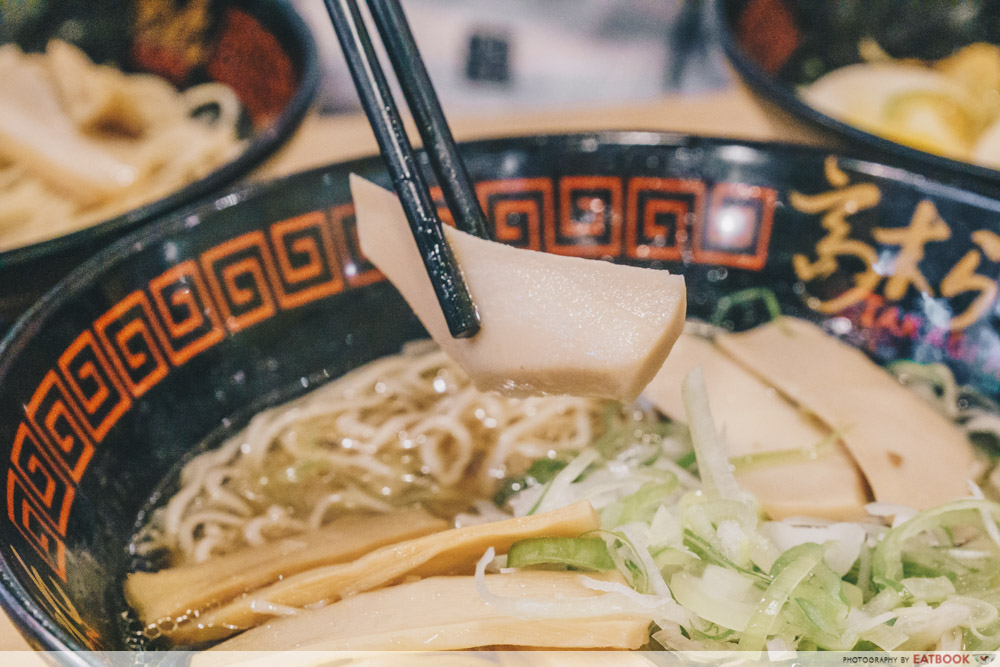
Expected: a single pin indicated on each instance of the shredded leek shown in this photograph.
(745, 297)
(696, 556)
(579, 553)
(641, 505)
(889, 557)
(540, 472)
(786, 579)
(808, 453)
(716, 476)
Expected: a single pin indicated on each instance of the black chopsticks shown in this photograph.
(419, 92)
(376, 97)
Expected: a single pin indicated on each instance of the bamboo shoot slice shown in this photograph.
(178, 591)
(448, 552)
(447, 613)
(550, 324)
(753, 419)
(909, 453)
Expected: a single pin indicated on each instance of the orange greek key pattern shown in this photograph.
(307, 259)
(738, 228)
(590, 217)
(42, 479)
(195, 304)
(133, 346)
(237, 272)
(190, 323)
(101, 395)
(56, 416)
(518, 210)
(358, 270)
(656, 219)
(23, 513)
(640, 219)
(129, 332)
(660, 211)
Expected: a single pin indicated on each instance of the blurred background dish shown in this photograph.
(82, 142)
(917, 81)
(180, 99)
(249, 299)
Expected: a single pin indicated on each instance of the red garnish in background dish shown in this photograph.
(769, 34)
(160, 60)
(252, 62)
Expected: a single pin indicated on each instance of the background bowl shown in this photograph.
(260, 48)
(778, 46)
(177, 334)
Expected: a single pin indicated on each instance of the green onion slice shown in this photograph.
(581, 553)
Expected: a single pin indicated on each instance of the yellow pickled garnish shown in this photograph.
(930, 121)
(977, 67)
(950, 107)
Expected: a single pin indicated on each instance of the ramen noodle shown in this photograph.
(81, 143)
(406, 429)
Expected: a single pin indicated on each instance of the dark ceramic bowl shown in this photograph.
(777, 46)
(180, 332)
(260, 48)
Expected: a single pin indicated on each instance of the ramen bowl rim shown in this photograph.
(28, 616)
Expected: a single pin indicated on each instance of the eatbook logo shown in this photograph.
(953, 658)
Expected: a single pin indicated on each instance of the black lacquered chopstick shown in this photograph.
(449, 286)
(423, 102)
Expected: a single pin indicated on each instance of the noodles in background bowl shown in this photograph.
(80, 143)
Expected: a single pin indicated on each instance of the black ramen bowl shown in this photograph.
(778, 46)
(260, 48)
(186, 328)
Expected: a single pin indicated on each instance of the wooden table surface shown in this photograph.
(732, 112)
